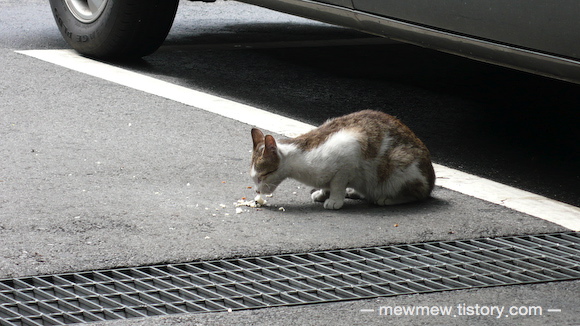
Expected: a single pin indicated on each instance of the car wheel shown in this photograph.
(114, 29)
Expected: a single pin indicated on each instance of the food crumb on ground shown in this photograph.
(260, 200)
(256, 203)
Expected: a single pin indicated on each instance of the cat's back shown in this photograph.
(369, 127)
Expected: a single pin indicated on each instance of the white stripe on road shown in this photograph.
(214, 104)
(514, 198)
(497, 193)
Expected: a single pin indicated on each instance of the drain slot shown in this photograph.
(289, 279)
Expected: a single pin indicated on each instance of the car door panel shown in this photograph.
(547, 26)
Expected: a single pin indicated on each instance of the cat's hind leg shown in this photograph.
(321, 195)
(409, 192)
(353, 194)
(384, 201)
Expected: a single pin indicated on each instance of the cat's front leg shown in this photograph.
(337, 191)
(334, 202)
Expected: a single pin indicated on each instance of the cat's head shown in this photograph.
(265, 163)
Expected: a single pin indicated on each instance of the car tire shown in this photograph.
(117, 29)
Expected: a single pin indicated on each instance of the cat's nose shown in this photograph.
(257, 191)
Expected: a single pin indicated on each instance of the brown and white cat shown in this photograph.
(367, 154)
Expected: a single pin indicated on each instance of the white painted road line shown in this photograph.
(494, 192)
(513, 198)
(237, 111)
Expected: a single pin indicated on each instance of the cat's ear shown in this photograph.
(270, 148)
(257, 137)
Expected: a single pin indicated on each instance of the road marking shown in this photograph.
(468, 184)
(513, 198)
(207, 102)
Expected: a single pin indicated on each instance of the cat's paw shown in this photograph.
(384, 201)
(333, 204)
(320, 195)
(353, 194)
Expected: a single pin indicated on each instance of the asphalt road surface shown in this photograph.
(96, 175)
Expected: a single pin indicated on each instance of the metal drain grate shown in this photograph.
(290, 279)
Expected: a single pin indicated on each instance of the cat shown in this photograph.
(363, 155)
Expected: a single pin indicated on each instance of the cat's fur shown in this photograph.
(367, 154)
